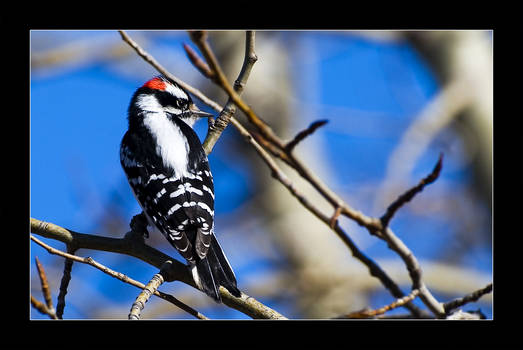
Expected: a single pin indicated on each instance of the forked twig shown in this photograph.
(42, 308)
(200, 39)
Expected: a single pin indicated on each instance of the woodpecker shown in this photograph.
(169, 174)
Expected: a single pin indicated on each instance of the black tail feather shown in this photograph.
(214, 270)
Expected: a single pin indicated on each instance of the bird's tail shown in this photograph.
(214, 271)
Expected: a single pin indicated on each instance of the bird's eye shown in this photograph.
(180, 103)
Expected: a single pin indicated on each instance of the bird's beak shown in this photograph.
(195, 111)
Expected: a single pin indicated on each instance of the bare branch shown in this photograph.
(42, 308)
(200, 39)
(64, 283)
(216, 129)
(47, 309)
(414, 268)
(366, 313)
(289, 147)
(118, 275)
(334, 219)
(454, 304)
(138, 249)
(149, 289)
(407, 196)
(199, 63)
(45, 285)
(453, 98)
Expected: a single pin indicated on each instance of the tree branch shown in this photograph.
(366, 313)
(131, 246)
(148, 290)
(42, 308)
(228, 111)
(48, 308)
(45, 285)
(117, 275)
(407, 196)
(373, 225)
(199, 63)
(289, 147)
(454, 304)
(64, 283)
(200, 39)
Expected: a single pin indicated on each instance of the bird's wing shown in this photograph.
(161, 194)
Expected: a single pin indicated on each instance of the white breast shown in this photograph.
(171, 145)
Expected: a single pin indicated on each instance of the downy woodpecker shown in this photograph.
(170, 177)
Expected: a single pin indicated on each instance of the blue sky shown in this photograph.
(78, 116)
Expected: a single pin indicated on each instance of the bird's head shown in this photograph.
(162, 95)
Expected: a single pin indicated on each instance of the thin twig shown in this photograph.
(469, 298)
(48, 308)
(149, 289)
(289, 147)
(200, 39)
(414, 269)
(216, 129)
(42, 308)
(437, 114)
(403, 251)
(198, 62)
(152, 288)
(45, 285)
(64, 283)
(408, 195)
(334, 219)
(118, 275)
(366, 313)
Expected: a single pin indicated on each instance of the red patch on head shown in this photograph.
(155, 83)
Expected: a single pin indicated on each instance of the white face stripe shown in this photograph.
(149, 103)
(172, 110)
(176, 91)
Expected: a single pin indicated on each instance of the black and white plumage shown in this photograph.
(169, 174)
